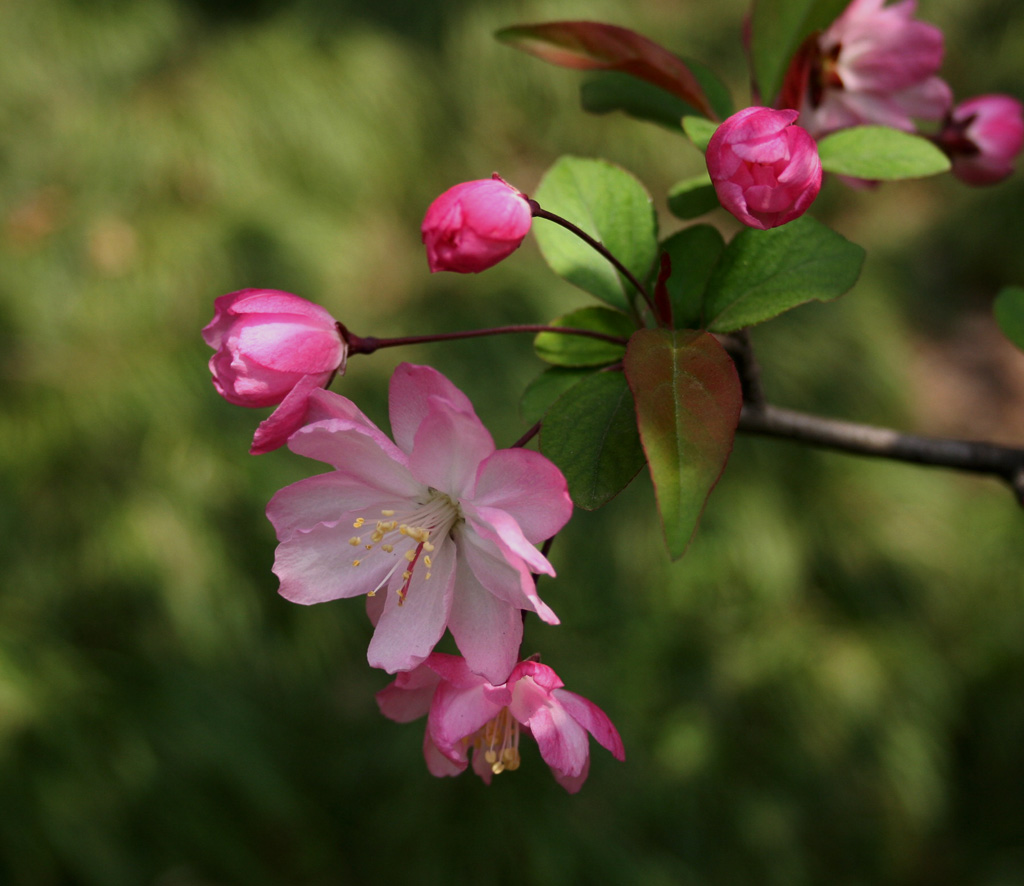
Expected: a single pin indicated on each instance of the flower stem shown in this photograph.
(368, 344)
(538, 212)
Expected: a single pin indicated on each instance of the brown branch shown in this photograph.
(965, 455)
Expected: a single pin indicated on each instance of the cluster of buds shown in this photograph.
(875, 65)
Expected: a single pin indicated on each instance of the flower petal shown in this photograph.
(507, 579)
(409, 629)
(407, 399)
(437, 763)
(274, 431)
(316, 565)
(324, 498)
(456, 714)
(593, 719)
(526, 486)
(448, 448)
(500, 527)
(562, 741)
(487, 630)
(408, 696)
(356, 449)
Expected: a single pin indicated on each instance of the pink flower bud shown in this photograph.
(272, 348)
(473, 226)
(765, 169)
(982, 136)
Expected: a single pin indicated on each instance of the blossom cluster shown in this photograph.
(437, 527)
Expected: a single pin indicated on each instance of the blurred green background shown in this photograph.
(828, 688)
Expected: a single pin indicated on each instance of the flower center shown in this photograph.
(407, 537)
(499, 742)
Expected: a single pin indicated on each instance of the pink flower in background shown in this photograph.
(439, 523)
(272, 348)
(874, 65)
(468, 713)
(983, 136)
(765, 170)
(475, 225)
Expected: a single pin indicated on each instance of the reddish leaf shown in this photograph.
(592, 46)
(688, 401)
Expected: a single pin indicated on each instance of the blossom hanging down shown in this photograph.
(474, 225)
(438, 526)
(273, 349)
(875, 64)
(466, 713)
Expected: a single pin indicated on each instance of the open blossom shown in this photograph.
(438, 526)
(272, 349)
(874, 65)
(475, 225)
(467, 714)
(765, 170)
(982, 137)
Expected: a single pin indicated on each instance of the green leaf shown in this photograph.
(688, 401)
(692, 197)
(778, 27)
(1009, 311)
(545, 389)
(762, 274)
(590, 433)
(610, 205)
(607, 91)
(716, 91)
(590, 46)
(699, 131)
(694, 252)
(880, 153)
(578, 350)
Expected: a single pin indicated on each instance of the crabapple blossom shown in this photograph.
(272, 348)
(873, 65)
(467, 713)
(438, 523)
(982, 136)
(475, 225)
(765, 169)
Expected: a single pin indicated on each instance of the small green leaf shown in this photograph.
(692, 197)
(694, 252)
(610, 205)
(578, 350)
(778, 27)
(590, 433)
(1009, 311)
(699, 131)
(716, 91)
(545, 389)
(688, 401)
(762, 274)
(880, 153)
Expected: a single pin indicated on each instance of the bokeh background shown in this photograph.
(828, 688)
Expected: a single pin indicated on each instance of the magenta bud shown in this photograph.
(272, 348)
(475, 225)
(765, 169)
(982, 137)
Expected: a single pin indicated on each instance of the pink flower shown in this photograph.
(466, 712)
(272, 348)
(473, 226)
(982, 136)
(438, 523)
(765, 170)
(874, 64)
